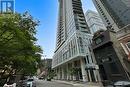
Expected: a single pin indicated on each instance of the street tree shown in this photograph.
(19, 52)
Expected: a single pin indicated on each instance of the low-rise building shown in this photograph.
(45, 68)
(124, 38)
(110, 57)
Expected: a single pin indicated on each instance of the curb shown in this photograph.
(76, 84)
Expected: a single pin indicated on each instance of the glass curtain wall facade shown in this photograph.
(116, 16)
(73, 40)
(94, 21)
(115, 13)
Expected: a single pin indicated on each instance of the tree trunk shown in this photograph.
(8, 77)
(1, 74)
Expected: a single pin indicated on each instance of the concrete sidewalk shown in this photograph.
(79, 84)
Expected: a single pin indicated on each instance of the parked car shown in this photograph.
(41, 78)
(10, 85)
(35, 78)
(122, 84)
(11, 82)
(30, 82)
(48, 79)
(22, 83)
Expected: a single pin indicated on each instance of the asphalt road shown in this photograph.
(41, 83)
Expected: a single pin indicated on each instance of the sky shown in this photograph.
(47, 12)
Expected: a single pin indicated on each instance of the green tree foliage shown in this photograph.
(18, 50)
(74, 72)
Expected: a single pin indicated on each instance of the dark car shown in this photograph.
(48, 79)
(41, 78)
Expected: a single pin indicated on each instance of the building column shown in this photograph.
(89, 76)
(56, 74)
(98, 76)
(59, 73)
(84, 74)
(95, 75)
(67, 71)
(74, 77)
(62, 72)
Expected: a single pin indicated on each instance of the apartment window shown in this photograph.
(87, 60)
(125, 17)
(81, 45)
(99, 40)
(107, 20)
(127, 20)
(112, 28)
(109, 23)
(128, 45)
(80, 41)
(110, 57)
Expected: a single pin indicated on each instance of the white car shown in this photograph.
(122, 84)
(31, 83)
(10, 85)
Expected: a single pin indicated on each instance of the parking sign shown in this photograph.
(7, 6)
